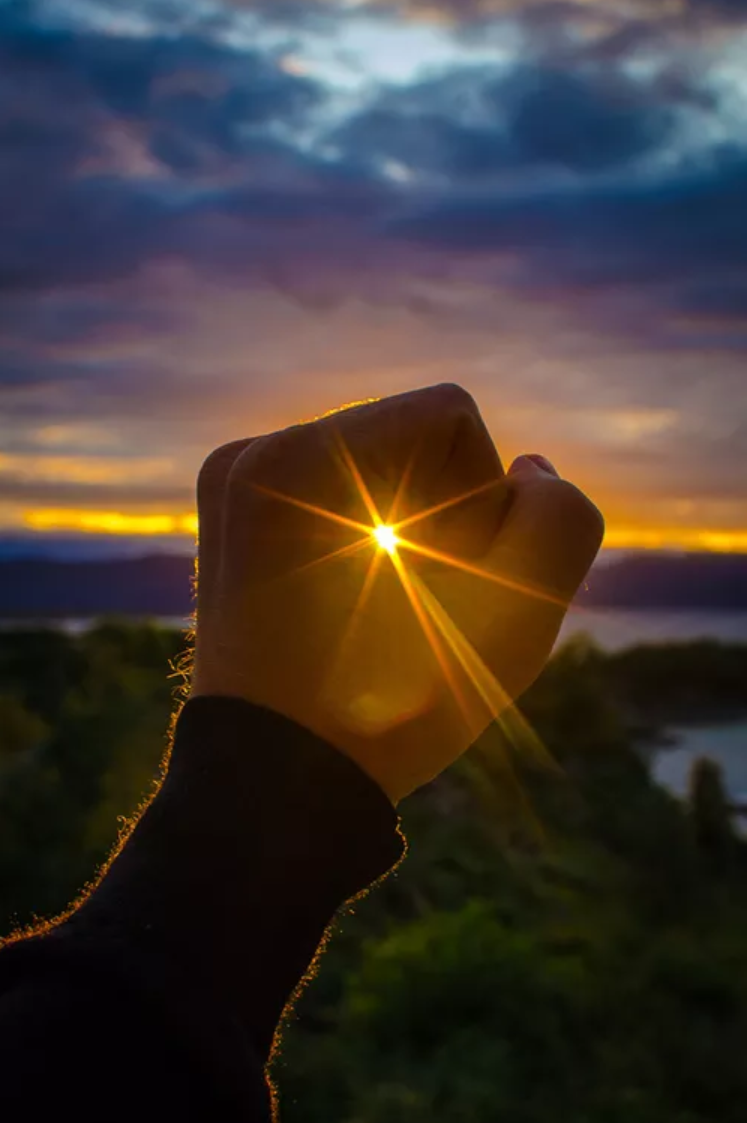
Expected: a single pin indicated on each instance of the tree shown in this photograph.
(709, 809)
(20, 730)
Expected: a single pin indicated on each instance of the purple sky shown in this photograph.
(220, 218)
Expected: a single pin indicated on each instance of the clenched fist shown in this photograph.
(397, 648)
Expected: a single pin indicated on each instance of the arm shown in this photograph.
(330, 681)
(167, 984)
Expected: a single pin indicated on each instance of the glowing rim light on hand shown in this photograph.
(386, 538)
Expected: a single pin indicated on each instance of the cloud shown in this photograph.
(480, 12)
(582, 122)
(184, 149)
(111, 141)
(684, 229)
(468, 11)
(474, 125)
(196, 238)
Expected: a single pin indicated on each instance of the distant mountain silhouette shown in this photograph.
(161, 585)
(44, 587)
(653, 580)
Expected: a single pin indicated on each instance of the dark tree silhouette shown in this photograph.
(710, 812)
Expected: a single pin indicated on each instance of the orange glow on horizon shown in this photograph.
(684, 538)
(51, 519)
(618, 536)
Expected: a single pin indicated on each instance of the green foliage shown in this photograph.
(565, 941)
(554, 948)
(20, 729)
(680, 682)
(82, 733)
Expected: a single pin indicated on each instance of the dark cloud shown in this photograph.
(99, 132)
(639, 231)
(424, 141)
(182, 84)
(548, 179)
(466, 12)
(478, 10)
(229, 191)
(472, 125)
(584, 122)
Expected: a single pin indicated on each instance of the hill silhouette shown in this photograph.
(160, 585)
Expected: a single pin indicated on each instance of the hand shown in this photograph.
(399, 660)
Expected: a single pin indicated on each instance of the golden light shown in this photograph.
(456, 657)
(108, 522)
(386, 538)
(373, 708)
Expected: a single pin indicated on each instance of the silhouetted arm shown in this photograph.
(159, 997)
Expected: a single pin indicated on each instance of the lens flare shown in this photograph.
(477, 692)
(386, 538)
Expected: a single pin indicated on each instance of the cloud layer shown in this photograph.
(229, 217)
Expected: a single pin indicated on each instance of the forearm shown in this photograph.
(259, 833)
(211, 913)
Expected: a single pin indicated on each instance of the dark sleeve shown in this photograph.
(159, 997)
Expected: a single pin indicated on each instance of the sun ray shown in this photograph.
(521, 735)
(495, 698)
(313, 509)
(445, 504)
(431, 637)
(346, 638)
(479, 767)
(343, 551)
(478, 571)
(367, 588)
(361, 601)
(456, 657)
(360, 483)
(401, 486)
(483, 766)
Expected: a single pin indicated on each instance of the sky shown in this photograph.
(218, 218)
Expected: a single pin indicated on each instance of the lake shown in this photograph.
(614, 629)
(724, 744)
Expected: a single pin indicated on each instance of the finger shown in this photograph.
(211, 490)
(552, 531)
(384, 460)
(430, 464)
(535, 460)
(402, 445)
(540, 556)
(381, 435)
(468, 497)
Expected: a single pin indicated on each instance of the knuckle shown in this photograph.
(456, 397)
(215, 469)
(273, 460)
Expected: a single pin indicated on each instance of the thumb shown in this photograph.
(552, 532)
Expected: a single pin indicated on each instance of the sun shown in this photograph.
(386, 538)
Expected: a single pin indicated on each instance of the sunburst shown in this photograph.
(386, 538)
(460, 664)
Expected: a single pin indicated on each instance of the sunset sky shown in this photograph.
(219, 218)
